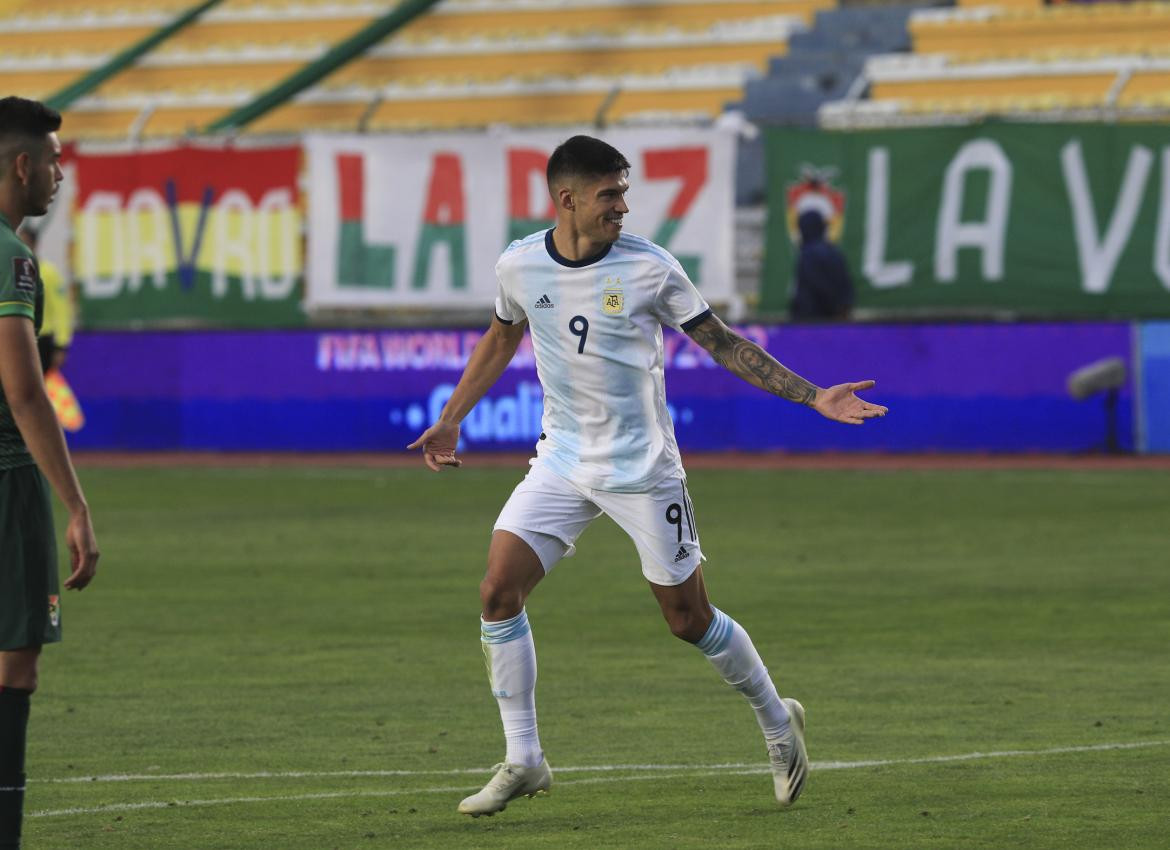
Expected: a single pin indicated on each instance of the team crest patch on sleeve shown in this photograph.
(24, 274)
(54, 610)
(612, 299)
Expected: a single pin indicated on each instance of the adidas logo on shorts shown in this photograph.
(544, 302)
(682, 555)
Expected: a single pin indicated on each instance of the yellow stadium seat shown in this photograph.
(1029, 28)
(479, 46)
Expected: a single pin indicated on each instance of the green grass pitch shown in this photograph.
(288, 659)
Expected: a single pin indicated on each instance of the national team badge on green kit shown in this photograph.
(54, 610)
(612, 299)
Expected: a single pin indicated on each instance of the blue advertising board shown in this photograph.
(960, 387)
(1154, 386)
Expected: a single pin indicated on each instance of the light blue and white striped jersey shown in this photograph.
(596, 329)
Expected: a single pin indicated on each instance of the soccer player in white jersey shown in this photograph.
(595, 300)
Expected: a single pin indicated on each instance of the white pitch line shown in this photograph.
(651, 771)
(598, 768)
(332, 795)
(376, 774)
(995, 754)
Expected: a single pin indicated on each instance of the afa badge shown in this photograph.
(613, 301)
(54, 610)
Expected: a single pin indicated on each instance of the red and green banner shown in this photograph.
(443, 223)
(528, 212)
(419, 221)
(189, 235)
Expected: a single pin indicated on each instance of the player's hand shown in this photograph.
(83, 550)
(438, 445)
(841, 405)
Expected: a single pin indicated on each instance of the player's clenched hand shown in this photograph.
(438, 445)
(841, 405)
(83, 550)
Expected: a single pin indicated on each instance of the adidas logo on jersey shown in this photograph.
(544, 303)
(682, 555)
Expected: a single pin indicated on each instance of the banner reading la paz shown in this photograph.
(190, 234)
(421, 220)
(1043, 219)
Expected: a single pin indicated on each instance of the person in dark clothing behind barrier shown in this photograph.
(823, 289)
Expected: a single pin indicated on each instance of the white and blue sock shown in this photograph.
(511, 664)
(730, 649)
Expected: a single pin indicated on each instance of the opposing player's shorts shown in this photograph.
(550, 512)
(30, 600)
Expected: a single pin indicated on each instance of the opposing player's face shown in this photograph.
(43, 175)
(601, 207)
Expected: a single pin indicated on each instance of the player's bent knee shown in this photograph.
(687, 625)
(20, 670)
(25, 683)
(500, 600)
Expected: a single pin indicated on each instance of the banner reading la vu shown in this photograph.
(1041, 219)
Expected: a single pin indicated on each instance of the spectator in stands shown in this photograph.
(57, 324)
(823, 290)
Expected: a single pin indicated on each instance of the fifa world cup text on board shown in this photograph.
(405, 351)
(399, 351)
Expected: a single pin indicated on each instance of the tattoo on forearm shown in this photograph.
(749, 361)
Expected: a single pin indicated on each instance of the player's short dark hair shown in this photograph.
(24, 124)
(20, 116)
(584, 157)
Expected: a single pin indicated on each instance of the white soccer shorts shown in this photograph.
(549, 513)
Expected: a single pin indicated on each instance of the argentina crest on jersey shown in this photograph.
(612, 299)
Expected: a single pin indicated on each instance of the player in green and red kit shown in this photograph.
(32, 449)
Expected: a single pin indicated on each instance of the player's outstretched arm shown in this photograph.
(491, 357)
(744, 358)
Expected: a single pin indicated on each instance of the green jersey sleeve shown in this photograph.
(19, 281)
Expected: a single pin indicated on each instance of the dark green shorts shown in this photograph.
(30, 595)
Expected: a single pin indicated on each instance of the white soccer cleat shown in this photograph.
(789, 757)
(511, 781)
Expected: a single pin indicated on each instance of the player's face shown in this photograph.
(43, 175)
(600, 208)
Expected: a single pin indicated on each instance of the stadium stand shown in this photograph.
(822, 63)
(992, 31)
(1020, 58)
(58, 28)
(467, 63)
